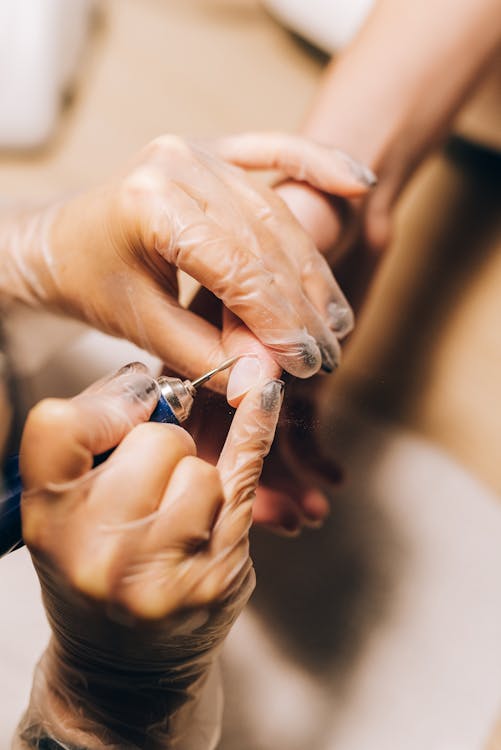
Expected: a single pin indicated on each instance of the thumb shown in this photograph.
(62, 436)
(322, 167)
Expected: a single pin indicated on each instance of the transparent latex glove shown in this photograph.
(352, 234)
(110, 256)
(143, 562)
(299, 475)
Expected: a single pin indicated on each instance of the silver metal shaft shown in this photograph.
(208, 375)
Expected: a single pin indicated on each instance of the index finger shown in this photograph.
(240, 463)
(325, 168)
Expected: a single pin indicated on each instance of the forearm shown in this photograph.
(392, 94)
(395, 89)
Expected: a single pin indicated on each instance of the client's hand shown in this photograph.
(144, 564)
(110, 256)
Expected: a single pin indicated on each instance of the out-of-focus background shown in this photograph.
(383, 629)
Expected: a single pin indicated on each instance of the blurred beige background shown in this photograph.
(427, 352)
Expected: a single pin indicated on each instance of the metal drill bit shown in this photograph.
(208, 375)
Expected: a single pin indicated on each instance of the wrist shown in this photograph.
(113, 706)
(23, 237)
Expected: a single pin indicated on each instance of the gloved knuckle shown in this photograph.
(90, 574)
(50, 414)
(204, 474)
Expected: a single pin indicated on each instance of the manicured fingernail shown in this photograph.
(244, 375)
(272, 395)
(137, 382)
(290, 526)
(315, 508)
(341, 318)
(330, 359)
(360, 171)
(131, 367)
(310, 354)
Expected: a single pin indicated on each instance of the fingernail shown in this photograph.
(314, 523)
(315, 508)
(310, 354)
(131, 367)
(144, 387)
(245, 374)
(290, 526)
(360, 171)
(330, 360)
(341, 318)
(272, 395)
(138, 382)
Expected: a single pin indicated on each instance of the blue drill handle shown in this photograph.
(11, 537)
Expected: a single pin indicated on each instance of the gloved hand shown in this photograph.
(110, 256)
(143, 562)
(299, 475)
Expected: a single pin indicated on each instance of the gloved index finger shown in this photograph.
(249, 441)
(61, 437)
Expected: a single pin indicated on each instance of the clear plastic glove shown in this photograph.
(143, 562)
(110, 256)
(299, 476)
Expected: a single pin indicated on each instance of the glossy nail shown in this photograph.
(340, 318)
(245, 375)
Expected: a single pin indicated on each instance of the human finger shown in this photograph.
(61, 437)
(327, 169)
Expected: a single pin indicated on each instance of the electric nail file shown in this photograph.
(174, 405)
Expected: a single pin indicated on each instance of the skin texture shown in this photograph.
(143, 562)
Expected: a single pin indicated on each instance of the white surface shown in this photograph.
(40, 46)
(329, 24)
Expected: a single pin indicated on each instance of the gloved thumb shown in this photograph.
(62, 436)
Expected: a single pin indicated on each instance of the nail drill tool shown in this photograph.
(175, 401)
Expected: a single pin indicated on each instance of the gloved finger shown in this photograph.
(138, 473)
(189, 507)
(218, 259)
(61, 437)
(291, 254)
(186, 343)
(325, 168)
(317, 279)
(254, 367)
(240, 463)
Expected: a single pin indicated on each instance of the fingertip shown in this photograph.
(301, 359)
